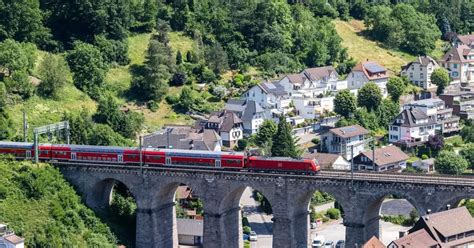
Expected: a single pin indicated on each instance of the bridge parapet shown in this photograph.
(289, 195)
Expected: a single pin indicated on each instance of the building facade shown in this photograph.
(365, 72)
(389, 158)
(462, 103)
(250, 112)
(419, 71)
(342, 140)
(184, 137)
(436, 110)
(228, 125)
(411, 128)
(459, 61)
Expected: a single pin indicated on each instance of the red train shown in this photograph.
(158, 157)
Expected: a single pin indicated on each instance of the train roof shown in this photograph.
(88, 148)
(279, 158)
(16, 144)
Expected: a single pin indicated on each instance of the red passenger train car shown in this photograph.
(158, 157)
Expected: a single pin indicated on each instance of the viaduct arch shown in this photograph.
(154, 189)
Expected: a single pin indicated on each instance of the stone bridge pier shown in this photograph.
(154, 192)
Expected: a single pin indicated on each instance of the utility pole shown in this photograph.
(25, 127)
(49, 129)
(141, 154)
(352, 166)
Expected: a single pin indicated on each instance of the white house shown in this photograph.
(341, 140)
(328, 160)
(419, 71)
(436, 109)
(365, 72)
(311, 107)
(251, 113)
(271, 96)
(459, 61)
(388, 158)
(228, 125)
(410, 128)
(8, 239)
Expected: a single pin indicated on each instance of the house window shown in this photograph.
(455, 66)
(411, 74)
(455, 74)
(421, 75)
(361, 137)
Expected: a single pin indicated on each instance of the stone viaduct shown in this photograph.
(289, 195)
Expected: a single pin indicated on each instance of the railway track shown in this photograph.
(467, 181)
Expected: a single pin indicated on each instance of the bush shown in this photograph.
(247, 244)
(247, 229)
(172, 99)
(153, 105)
(245, 221)
(333, 213)
(424, 156)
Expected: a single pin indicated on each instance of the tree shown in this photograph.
(283, 142)
(19, 83)
(127, 123)
(395, 88)
(448, 162)
(435, 143)
(88, 68)
(15, 56)
(386, 112)
(467, 132)
(440, 77)
(345, 103)
(468, 154)
(179, 58)
(151, 83)
(265, 133)
(216, 58)
(369, 96)
(54, 73)
(23, 21)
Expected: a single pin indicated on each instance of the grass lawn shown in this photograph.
(361, 48)
(119, 80)
(455, 140)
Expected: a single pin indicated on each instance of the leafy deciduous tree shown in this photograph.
(395, 88)
(345, 103)
(53, 72)
(448, 162)
(440, 77)
(369, 96)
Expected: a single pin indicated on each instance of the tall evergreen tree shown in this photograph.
(179, 58)
(283, 142)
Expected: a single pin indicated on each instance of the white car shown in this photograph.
(318, 242)
(253, 236)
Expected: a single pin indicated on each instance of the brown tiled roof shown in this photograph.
(466, 39)
(443, 222)
(417, 239)
(296, 78)
(318, 73)
(456, 54)
(325, 160)
(373, 242)
(365, 68)
(349, 131)
(386, 155)
(12, 238)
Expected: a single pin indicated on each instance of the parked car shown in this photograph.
(318, 242)
(329, 244)
(246, 236)
(340, 244)
(313, 225)
(253, 236)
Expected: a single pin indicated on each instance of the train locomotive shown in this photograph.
(158, 157)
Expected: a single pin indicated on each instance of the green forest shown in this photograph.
(116, 69)
(120, 68)
(38, 204)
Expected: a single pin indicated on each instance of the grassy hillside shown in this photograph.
(361, 48)
(41, 111)
(38, 204)
(119, 79)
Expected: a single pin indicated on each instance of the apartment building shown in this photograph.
(436, 109)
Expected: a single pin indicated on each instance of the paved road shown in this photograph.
(334, 230)
(259, 222)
